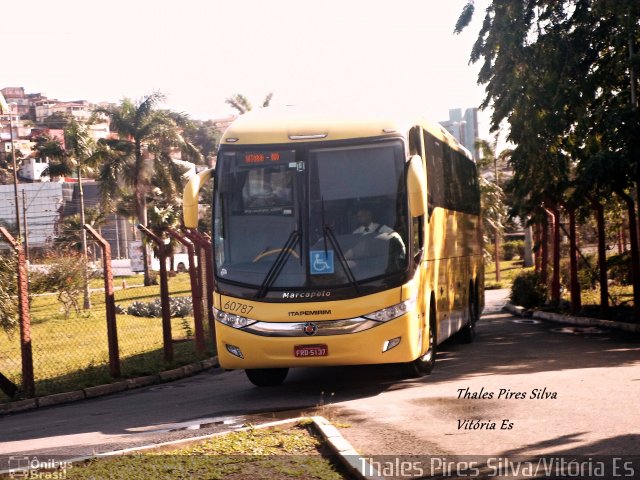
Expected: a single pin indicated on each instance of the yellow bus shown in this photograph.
(340, 240)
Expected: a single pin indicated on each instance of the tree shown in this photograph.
(51, 149)
(492, 195)
(564, 76)
(242, 104)
(147, 138)
(58, 120)
(205, 137)
(70, 228)
(80, 156)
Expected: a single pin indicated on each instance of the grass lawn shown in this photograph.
(620, 296)
(509, 269)
(290, 451)
(71, 352)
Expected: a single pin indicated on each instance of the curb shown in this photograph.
(356, 464)
(109, 388)
(580, 321)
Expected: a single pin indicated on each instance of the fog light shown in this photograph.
(389, 344)
(233, 350)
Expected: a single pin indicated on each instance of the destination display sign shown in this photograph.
(269, 157)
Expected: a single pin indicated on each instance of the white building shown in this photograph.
(42, 202)
(32, 169)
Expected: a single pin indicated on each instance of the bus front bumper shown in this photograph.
(398, 340)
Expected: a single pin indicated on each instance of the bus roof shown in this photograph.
(294, 124)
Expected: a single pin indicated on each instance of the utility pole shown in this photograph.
(26, 226)
(15, 170)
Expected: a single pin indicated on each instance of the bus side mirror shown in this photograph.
(417, 186)
(190, 198)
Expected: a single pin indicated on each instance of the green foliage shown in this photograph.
(9, 319)
(619, 268)
(528, 291)
(178, 306)
(242, 104)
(70, 228)
(64, 275)
(513, 249)
(140, 161)
(587, 273)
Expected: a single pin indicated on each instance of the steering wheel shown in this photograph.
(274, 252)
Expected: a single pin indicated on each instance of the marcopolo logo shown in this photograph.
(307, 295)
(28, 467)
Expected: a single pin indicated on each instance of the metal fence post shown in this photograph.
(110, 303)
(204, 242)
(167, 338)
(196, 290)
(28, 384)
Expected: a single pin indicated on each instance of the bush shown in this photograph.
(65, 276)
(178, 307)
(528, 291)
(587, 278)
(513, 249)
(8, 292)
(619, 268)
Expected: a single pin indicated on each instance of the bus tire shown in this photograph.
(423, 365)
(468, 332)
(266, 377)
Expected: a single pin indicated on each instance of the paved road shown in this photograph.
(594, 379)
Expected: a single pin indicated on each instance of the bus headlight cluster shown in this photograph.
(391, 312)
(231, 319)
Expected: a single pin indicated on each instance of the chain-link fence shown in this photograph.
(70, 337)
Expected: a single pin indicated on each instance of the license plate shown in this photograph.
(310, 351)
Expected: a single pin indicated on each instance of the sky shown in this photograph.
(199, 52)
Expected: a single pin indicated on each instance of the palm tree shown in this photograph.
(83, 151)
(80, 156)
(70, 229)
(147, 136)
(492, 194)
(51, 149)
(242, 104)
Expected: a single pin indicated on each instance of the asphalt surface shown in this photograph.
(591, 382)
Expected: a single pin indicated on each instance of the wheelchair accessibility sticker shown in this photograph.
(321, 262)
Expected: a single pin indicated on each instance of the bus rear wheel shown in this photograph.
(468, 332)
(266, 377)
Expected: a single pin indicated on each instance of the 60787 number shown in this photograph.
(238, 307)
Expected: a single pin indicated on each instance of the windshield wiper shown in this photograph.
(278, 265)
(327, 232)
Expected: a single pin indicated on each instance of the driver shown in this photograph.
(367, 225)
(373, 230)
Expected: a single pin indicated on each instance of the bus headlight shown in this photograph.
(391, 312)
(231, 319)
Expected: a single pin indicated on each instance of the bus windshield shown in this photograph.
(311, 218)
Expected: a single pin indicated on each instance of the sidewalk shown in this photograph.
(580, 321)
(108, 388)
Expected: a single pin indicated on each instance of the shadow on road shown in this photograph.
(502, 347)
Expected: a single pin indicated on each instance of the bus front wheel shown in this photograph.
(267, 377)
(423, 365)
